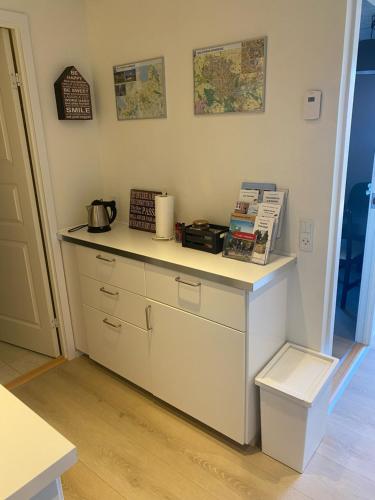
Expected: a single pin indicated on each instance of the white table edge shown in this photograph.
(38, 483)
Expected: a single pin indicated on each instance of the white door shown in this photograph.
(365, 330)
(198, 366)
(26, 312)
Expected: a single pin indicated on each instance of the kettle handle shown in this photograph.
(112, 206)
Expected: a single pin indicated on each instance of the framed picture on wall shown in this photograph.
(230, 78)
(140, 90)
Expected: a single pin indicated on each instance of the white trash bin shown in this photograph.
(295, 389)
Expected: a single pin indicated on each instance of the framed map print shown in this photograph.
(140, 90)
(230, 78)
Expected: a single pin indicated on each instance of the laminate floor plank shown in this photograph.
(80, 482)
(232, 469)
(131, 470)
(132, 446)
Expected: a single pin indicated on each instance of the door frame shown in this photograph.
(18, 23)
(366, 312)
(344, 121)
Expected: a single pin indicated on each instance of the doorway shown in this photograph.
(28, 331)
(353, 267)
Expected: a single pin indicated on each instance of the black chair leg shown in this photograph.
(345, 286)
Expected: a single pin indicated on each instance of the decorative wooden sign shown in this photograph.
(142, 210)
(73, 96)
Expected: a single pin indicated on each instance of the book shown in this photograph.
(271, 210)
(263, 231)
(278, 198)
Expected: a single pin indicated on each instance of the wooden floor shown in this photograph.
(132, 447)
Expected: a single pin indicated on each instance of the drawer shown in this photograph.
(113, 269)
(220, 303)
(115, 301)
(121, 347)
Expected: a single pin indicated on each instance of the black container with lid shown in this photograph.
(204, 236)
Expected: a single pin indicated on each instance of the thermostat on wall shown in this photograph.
(311, 108)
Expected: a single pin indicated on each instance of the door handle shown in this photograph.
(148, 319)
(107, 322)
(105, 259)
(102, 289)
(179, 280)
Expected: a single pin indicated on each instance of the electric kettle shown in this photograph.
(99, 219)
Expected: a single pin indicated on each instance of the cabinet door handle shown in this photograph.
(107, 322)
(148, 319)
(179, 280)
(102, 289)
(104, 258)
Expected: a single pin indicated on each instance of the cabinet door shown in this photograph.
(198, 366)
(121, 347)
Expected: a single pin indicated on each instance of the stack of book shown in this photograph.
(256, 222)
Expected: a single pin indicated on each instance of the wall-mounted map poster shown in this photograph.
(140, 90)
(230, 78)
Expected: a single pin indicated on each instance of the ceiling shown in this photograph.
(368, 10)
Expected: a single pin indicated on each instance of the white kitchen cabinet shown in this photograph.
(115, 301)
(198, 366)
(119, 346)
(192, 328)
(112, 269)
(221, 303)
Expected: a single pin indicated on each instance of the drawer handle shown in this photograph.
(107, 322)
(148, 319)
(104, 258)
(102, 289)
(179, 280)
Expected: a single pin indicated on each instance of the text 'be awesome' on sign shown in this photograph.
(142, 210)
(73, 96)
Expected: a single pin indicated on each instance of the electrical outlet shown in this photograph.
(306, 230)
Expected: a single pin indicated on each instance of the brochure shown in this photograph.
(242, 222)
(241, 207)
(261, 187)
(239, 245)
(271, 210)
(263, 232)
(278, 198)
(251, 197)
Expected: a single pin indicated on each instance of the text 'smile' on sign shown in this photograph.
(142, 210)
(73, 98)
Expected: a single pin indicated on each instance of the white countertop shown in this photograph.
(140, 245)
(32, 453)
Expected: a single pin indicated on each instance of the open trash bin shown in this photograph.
(295, 389)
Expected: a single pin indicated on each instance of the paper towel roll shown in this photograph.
(164, 216)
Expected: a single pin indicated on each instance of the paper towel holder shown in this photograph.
(161, 238)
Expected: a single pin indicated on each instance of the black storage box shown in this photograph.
(209, 239)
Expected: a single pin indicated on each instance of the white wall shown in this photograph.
(59, 39)
(203, 159)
